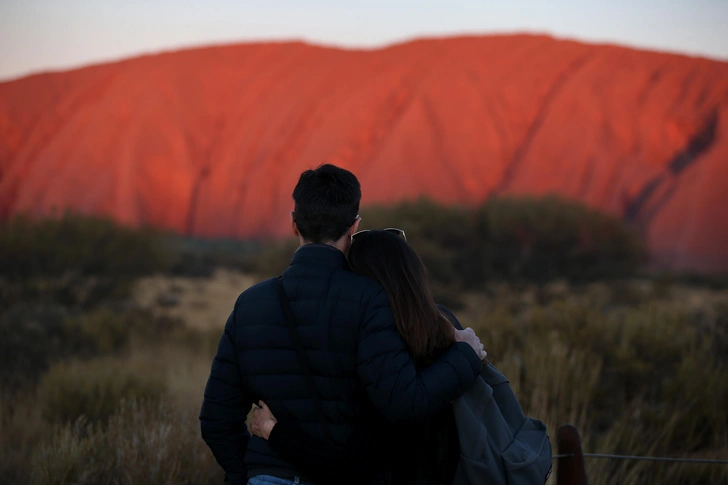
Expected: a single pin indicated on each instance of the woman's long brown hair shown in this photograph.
(391, 262)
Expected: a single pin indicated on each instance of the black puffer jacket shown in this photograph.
(355, 351)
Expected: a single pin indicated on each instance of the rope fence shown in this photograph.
(645, 458)
(572, 471)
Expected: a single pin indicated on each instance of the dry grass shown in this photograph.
(638, 369)
(127, 434)
(93, 390)
(646, 379)
(22, 429)
(143, 443)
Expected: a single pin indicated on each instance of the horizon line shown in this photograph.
(355, 48)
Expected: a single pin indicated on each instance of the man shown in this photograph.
(350, 339)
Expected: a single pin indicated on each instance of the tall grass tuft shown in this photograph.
(93, 390)
(640, 381)
(145, 442)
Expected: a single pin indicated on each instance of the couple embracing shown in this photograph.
(347, 361)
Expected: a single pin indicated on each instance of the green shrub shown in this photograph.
(544, 238)
(513, 239)
(89, 245)
(440, 235)
(93, 389)
(505, 239)
(74, 259)
(274, 258)
(34, 336)
(194, 257)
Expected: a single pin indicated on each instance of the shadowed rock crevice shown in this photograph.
(658, 191)
(194, 199)
(552, 95)
(397, 104)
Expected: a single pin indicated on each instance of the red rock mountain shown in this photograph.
(211, 141)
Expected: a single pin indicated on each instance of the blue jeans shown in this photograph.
(268, 480)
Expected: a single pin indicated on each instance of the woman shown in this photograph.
(424, 454)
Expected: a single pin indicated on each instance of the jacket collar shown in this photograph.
(320, 254)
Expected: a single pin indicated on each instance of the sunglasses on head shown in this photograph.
(391, 230)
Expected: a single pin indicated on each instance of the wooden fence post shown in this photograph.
(571, 469)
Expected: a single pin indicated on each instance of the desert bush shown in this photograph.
(543, 238)
(93, 389)
(92, 246)
(34, 336)
(513, 239)
(274, 258)
(144, 442)
(74, 259)
(193, 257)
(440, 235)
(505, 239)
(111, 329)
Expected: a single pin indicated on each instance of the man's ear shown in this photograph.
(293, 225)
(354, 227)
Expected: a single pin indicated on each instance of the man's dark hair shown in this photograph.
(326, 203)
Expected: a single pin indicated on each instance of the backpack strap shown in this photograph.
(298, 344)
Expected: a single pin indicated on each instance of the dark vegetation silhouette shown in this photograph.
(516, 240)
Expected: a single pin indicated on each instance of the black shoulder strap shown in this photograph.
(296, 338)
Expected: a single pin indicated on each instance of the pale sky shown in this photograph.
(41, 35)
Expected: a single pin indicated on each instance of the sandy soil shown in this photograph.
(202, 303)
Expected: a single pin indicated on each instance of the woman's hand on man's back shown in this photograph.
(262, 421)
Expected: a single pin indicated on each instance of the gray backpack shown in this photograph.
(498, 443)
